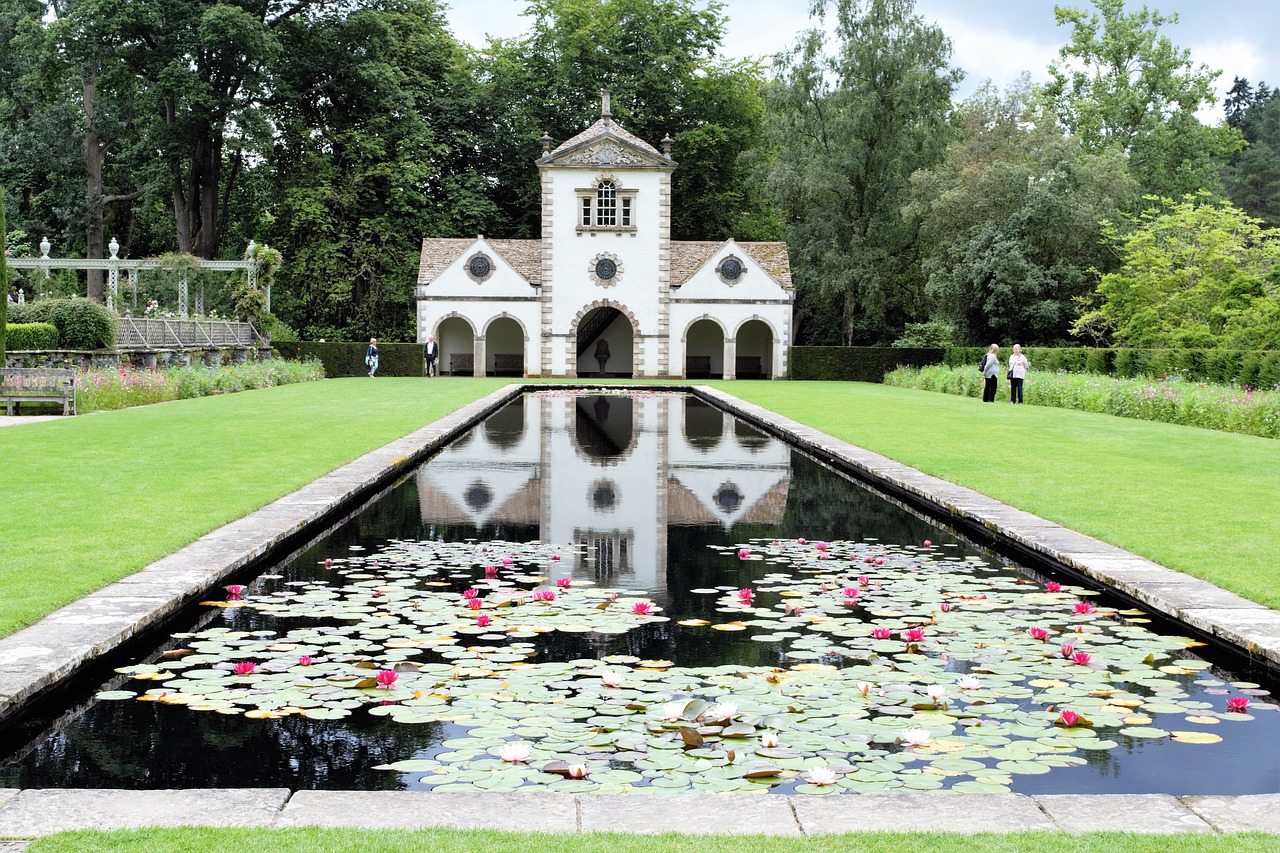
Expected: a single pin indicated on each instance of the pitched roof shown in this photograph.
(689, 256)
(606, 127)
(524, 256)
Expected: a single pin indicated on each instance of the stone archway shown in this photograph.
(704, 349)
(612, 323)
(753, 350)
(504, 347)
(457, 338)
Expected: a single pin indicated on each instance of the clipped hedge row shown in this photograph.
(1251, 368)
(347, 358)
(857, 364)
(28, 336)
(82, 323)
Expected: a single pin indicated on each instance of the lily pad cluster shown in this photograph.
(898, 668)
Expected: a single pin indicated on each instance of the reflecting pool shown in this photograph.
(605, 592)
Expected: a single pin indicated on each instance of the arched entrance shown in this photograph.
(457, 341)
(754, 350)
(704, 350)
(504, 348)
(605, 343)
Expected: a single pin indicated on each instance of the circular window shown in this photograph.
(480, 266)
(478, 496)
(606, 269)
(728, 498)
(731, 269)
(603, 495)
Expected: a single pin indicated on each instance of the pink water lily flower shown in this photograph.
(305, 660)
(850, 592)
(863, 580)
(244, 668)
(744, 553)
(881, 633)
(821, 776)
(802, 540)
(555, 558)
(746, 595)
(1068, 718)
(491, 571)
(328, 562)
(642, 608)
(544, 595)
(913, 635)
(928, 544)
(386, 678)
(471, 593)
(1040, 634)
(475, 603)
(1238, 704)
(1068, 650)
(821, 546)
(483, 620)
(879, 561)
(945, 607)
(1081, 659)
(235, 592)
(1053, 586)
(564, 583)
(1084, 607)
(507, 561)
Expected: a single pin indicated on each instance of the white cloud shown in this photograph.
(986, 52)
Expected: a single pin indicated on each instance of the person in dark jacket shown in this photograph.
(431, 355)
(371, 356)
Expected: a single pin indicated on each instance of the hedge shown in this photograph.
(857, 364)
(82, 323)
(28, 336)
(1251, 368)
(347, 359)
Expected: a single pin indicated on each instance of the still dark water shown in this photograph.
(644, 488)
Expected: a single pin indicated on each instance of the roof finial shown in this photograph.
(666, 145)
(545, 141)
(605, 113)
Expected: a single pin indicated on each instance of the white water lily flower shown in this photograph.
(723, 711)
(916, 737)
(968, 682)
(821, 776)
(769, 739)
(673, 710)
(577, 771)
(936, 692)
(864, 687)
(516, 752)
(612, 678)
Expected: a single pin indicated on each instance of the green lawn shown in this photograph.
(1202, 502)
(90, 499)
(312, 840)
(94, 498)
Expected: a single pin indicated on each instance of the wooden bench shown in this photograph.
(462, 363)
(697, 367)
(747, 367)
(508, 365)
(38, 385)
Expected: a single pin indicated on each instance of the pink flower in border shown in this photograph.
(1053, 586)
(244, 668)
(1083, 607)
(305, 660)
(235, 592)
(642, 608)
(475, 603)
(1037, 633)
(386, 678)
(881, 633)
(1081, 658)
(484, 620)
(1238, 704)
(1068, 718)
(564, 583)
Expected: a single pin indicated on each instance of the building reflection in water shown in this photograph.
(611, 474)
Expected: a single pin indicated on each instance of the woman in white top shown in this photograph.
(1018, 365)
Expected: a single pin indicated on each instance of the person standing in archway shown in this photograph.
(431, 355)
(602, 354)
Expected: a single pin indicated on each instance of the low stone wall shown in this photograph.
(137, 358)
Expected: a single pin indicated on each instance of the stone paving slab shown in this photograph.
(1251, 813)
(54, 648)
(1150, 813)
(35, 813)
(729, 814)
(532, 812)
(964, 813)
(7, 795)
(1248, 625)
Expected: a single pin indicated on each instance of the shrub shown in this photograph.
(347, 358)
(84, 324)
(28, 336)
(857, 364)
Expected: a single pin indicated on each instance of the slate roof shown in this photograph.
(524, 256)
(689, 256)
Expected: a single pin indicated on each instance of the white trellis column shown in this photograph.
(133, 285)
(182, 294)
(113, 274)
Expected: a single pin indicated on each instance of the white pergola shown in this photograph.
(115, 265)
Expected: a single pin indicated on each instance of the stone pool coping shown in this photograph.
(41, 656)
(33, 813)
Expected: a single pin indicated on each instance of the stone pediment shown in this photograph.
(607, 144)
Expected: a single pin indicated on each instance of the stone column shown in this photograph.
(730, 358)
(477, 355)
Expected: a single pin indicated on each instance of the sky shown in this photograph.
(992, 39)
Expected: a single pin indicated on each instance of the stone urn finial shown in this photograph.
(666, 145)
(605, 112)
(545, 141)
